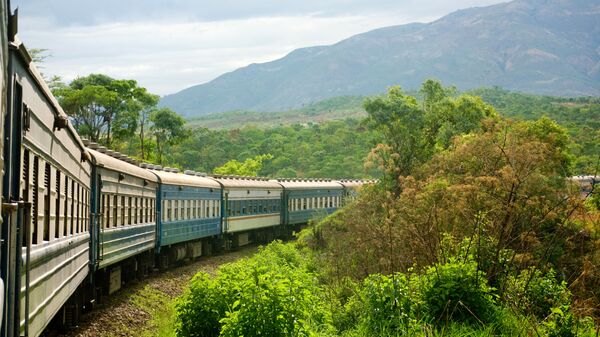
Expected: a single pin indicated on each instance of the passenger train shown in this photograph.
(79, 220)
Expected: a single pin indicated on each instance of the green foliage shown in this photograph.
(335, 149)
(387, 304)
(580, 116)
(537, 293)
(457, 291)
(412, 133)
(168, 129)
(249, 167)
(274, 293)
(104, 109)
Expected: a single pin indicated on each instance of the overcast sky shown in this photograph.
(168, 46)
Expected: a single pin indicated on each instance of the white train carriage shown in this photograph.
(252, 208)
(55, 191)
(124, 198)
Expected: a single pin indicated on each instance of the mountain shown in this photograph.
(549, 47)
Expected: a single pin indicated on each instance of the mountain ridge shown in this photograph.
(549, 47)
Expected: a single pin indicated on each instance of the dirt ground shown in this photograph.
(129, 312)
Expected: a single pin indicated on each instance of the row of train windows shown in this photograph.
(248, 207)
(174, 210)
(122, 210)
(297, 204)
(59, 204)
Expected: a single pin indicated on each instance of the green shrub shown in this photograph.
(386, 303)
(536, 293)
(271, 294)
(201, 308)
(457, 291)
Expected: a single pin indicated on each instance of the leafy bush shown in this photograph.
(457, 291)
(387, 303)
(537, 293)
(274, 293)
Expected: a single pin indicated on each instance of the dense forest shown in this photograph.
(472, 230)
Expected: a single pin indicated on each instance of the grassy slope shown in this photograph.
(330, 109)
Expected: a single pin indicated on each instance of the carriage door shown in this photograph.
(16, 226)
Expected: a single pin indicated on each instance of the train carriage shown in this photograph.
(123, 208)
(189, 210)
(252, 209)
(305, 198)
(352, 188)
(49, 178)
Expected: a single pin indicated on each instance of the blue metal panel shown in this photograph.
(302, 216)
(186, 230)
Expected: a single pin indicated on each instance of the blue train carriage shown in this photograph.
(48, 181)
(305, 199)
(189, 214)
(124, 212)
(252, 211)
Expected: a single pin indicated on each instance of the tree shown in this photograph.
(168, 129)
(249, 167)
(146, 104)
(102, 108)
(414, 132)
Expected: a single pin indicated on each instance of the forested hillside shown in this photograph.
(537, 46)
(328, 138)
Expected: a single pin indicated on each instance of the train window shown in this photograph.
(188, 209)
(167, 210)
(115, 211)
(176, 207)
(182, 209)
(141, 210)
(25, 192)
(66, 206)
(107, 212)
(129, 206)
(73, 214)
(122, 222)
(35, 200)
(79, 213)
(207, 203)
(47, 202)
(57, 206)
